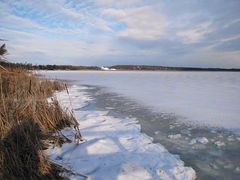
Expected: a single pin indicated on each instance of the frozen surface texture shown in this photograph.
(114, 148)
(202, 98)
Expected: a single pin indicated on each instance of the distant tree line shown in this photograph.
(165, 68)
(30, 66)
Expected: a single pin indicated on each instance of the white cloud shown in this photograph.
(52, 12)
(17, 22)
(118, 3)
(205, 57)
(22, 44)
(230, 38)
(71, 30)
(195, 34)
(101, 24)
(142, 23)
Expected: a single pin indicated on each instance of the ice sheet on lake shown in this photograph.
(205, 98)
(114, 147)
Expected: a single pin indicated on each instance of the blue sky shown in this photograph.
(193, 33)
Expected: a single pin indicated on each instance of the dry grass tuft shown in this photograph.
(27, 120)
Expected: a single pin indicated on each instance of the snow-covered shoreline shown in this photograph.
(114, 147)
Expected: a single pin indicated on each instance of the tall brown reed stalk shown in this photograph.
(27, 122)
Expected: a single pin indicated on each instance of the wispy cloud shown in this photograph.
(196, 34)
(144, 22)
(181, 33)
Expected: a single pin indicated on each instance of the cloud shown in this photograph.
(118, 3)
(195, 34)
(229, 45)
(23, 45)
(142, 23)
(95, 32)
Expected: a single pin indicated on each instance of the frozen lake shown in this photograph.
(193, 114)
(203, 98)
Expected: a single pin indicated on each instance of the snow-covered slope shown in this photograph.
(114, 148)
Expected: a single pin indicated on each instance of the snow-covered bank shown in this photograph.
(114, 148)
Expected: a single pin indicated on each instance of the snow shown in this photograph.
(175, 136)
(202, 140)
(219, 143)
(193, 141)
(204, 98)
(237, 169)
(230, 138)
(114, 148)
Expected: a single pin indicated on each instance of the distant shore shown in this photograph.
(112, 68)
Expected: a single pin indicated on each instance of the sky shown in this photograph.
(190, 33)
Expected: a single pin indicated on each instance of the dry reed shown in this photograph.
(27, 122)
